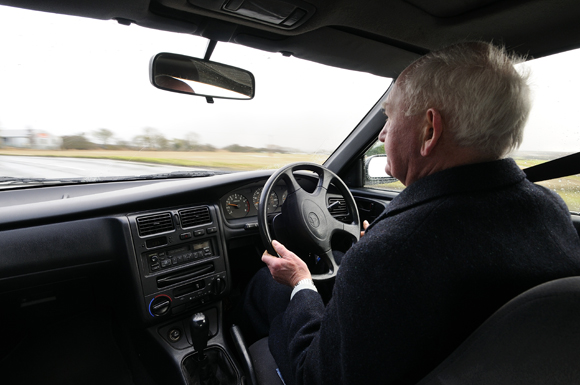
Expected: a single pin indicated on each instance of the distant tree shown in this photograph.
(140, 141)
(77, 142)
(192, 139)
(203, 147)
(238, 148)
(121, 143)
(103, 135)
(151, 139)
(377, 149)
(278, 149)
(160, 141)
(189, 143)
(179, 145)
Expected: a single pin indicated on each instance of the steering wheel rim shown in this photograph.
(305, 216)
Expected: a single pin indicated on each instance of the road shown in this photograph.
(49, 167)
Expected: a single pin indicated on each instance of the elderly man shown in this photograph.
(468, 233)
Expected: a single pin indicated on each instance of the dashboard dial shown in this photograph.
(273, 202)
(237, 205)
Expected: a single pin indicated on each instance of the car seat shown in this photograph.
(534, 339)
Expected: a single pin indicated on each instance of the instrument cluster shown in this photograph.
(245, 201)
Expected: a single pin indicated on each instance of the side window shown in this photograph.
(567, 187)
(375, 175)
(552, 129)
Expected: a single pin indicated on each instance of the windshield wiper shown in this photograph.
(171, 175)
(12, 180)
(6, 180)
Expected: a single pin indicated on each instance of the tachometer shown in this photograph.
(237, 205)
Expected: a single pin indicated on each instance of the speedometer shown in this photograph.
(237, 205)
(273, 202)
(256, 197)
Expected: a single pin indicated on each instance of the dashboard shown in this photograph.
(147, 254)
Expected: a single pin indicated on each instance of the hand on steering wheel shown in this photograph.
(305, 219)
(288, 269)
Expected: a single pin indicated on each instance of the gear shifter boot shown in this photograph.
(215, 369)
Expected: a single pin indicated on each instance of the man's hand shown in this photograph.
(287, 270)
(365, 225)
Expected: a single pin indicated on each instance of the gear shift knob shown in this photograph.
(199, 333)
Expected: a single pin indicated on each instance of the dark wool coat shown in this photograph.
(447, 252)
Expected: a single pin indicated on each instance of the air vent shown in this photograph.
(337, 209)
(154, 224)
(195, 216)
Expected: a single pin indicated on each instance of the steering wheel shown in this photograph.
(305, 221)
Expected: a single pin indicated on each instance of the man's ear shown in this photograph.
(432, 130)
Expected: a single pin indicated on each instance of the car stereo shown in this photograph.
(181, 259)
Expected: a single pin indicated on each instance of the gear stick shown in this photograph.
(199, 328)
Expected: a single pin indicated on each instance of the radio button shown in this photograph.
(185, 236)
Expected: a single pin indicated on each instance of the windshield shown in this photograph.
(77, 103)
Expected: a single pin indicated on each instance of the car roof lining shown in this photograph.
(376, 36)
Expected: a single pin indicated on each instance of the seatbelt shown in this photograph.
(557, 168)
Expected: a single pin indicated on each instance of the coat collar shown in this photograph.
(456, 180)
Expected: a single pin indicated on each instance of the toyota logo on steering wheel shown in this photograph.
(313, 220)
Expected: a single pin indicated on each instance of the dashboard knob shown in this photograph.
(218, 285)
(159, 305)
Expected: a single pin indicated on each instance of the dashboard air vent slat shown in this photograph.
(338, 209)
(154, 224)
(195, 216)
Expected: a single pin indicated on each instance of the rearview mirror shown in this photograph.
(194, 76)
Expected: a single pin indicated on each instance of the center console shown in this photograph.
(180, 258)
(181, 270)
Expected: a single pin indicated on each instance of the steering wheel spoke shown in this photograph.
(352, 229)
(325, 178)
(291, 182)
(328, 259)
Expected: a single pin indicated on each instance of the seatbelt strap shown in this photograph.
(557, 168)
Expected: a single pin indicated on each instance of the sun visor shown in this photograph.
(338, 49)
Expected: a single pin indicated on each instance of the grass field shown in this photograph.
(568, 188)
(231, 161)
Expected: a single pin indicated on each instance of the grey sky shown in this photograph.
(85, 84)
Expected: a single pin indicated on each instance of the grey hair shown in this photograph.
(483, 100)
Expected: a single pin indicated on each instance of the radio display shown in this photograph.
(200, 246)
